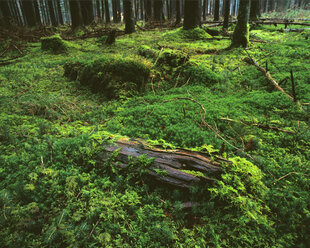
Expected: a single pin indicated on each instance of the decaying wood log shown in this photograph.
(175, 164)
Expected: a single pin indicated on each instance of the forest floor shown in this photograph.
(55, 192)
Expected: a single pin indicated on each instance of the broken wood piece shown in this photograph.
(181, 168)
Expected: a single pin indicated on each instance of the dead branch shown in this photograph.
(259, 125)
(284, 23)
(268, 77)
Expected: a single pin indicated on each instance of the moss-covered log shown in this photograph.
(179, 168)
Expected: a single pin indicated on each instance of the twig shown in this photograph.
(290, 173)
(93, 229)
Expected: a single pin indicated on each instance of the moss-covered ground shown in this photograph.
(56, 192)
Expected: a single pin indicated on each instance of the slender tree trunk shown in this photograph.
(254, 11)
(29, 13)
(204, 4)
(226, 14)
(158, 10)
(216, 10)
(37, 12)
(87, 11)
(6, 14)
(61, 20)
(107, 11)
(271, 5)
(192, 14)
(178, 12)
(129, 17)
(148, 9)
(52, 13)
(75, 13)
(142, 9)
(241, 32)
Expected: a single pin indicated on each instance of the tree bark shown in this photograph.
(148, 9)
(241, 32)
(217, 10)
(107, 11)
(254, 10)
(192, 14)
(76, 19)
(29, 13)
(226, 14)
(129, 17)
(52, 13)
(158, 10)
(173, 167)
(61, 21)
(204, 5)
(6, 14)
(178, 12)
(87, 11)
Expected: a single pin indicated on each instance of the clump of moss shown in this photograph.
(54, 43)
(146, 51)
(172, 58)
(199, 74)
(109, 75)
(192, 34)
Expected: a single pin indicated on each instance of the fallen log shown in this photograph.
(180, 168)
(284, 23)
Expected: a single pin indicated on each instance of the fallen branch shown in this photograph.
(259, 125)
(268, 77)
(290, 173)
(283, 23)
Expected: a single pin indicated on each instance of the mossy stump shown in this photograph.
(53, 44)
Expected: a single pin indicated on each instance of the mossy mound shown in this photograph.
(147, 52)
(54, 44)
(199, 74)
(110, 76)
(192, 34)
(172, 58)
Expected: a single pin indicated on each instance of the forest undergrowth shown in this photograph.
(57, 111)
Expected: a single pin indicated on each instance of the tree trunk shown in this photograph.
(6, 14)
(148, 9)
(129, 17)
(29, 13)
(226, 14)
(37, 12)
(107, 11)
(204, 4)
(254, 10)
(241, 32)
(142, 9)
(178, 12)
(217, 10)
(192, 14)
(76, 19)
(98, 12)
(52, 13)
(61, 21)
(158, 10)
(168, 166)
(87, 11)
